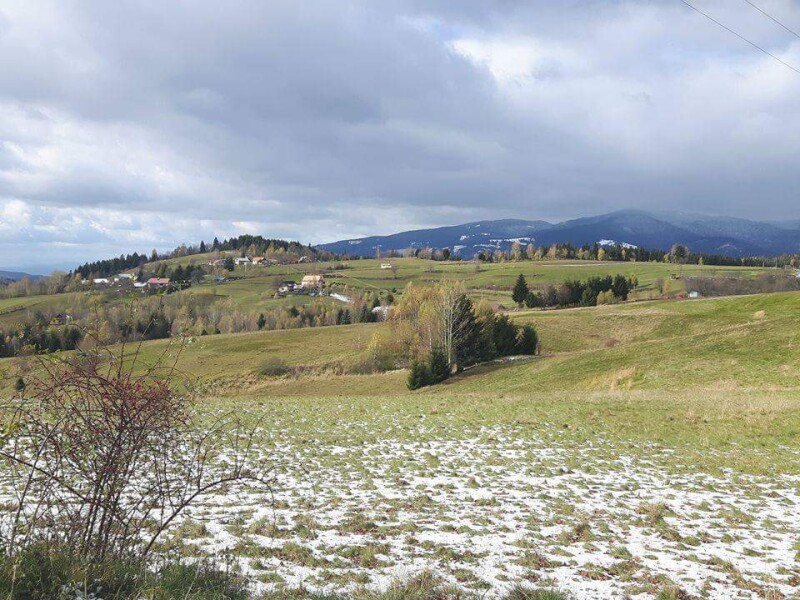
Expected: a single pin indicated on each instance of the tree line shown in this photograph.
(438, 330)
(593, 291)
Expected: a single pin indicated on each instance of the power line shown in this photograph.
(741, 37)
(770, 17)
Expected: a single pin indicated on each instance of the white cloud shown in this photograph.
(125, 126)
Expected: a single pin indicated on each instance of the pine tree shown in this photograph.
(262, 321)
(202, 247)
(527, 340)
(520, 290)
(438, 365)
(418, 375)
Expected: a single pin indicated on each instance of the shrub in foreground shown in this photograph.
(44, 572)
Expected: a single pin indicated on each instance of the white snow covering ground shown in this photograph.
(613, 243)
(500, 506)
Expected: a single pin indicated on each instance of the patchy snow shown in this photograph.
(521, 240)
(458, 248)
(354, 242)
(613, 243)
(499, 506)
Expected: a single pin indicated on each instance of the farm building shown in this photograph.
(157, 283)
(218, 262)
(312, 281)
(242, 260)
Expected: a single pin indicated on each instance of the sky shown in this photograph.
(132, 125)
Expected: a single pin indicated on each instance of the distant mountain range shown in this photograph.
(702, 234)
(16, 276)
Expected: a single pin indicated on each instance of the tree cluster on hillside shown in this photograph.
(162, 316)
(245, 244)
(438, 330)
(38, 338)
(593, 291)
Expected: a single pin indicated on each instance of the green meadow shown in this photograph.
(650, 451)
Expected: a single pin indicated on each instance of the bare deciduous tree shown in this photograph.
(103, 455)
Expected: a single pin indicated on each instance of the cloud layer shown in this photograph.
(131, 125)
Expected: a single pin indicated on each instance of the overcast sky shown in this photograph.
(136, 125)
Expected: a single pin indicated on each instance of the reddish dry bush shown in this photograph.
(104, 461)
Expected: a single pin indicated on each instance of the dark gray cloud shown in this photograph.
(128, 125)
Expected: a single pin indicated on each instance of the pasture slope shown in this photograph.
(650, 452)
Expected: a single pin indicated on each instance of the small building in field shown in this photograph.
(258, 260)
(157, 283)
(286, 287)
(242, 260)
(217, 262)
(694, 294)
(101, 281)
(312, 282)
(386, 265)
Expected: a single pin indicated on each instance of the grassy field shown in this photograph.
(253, 288)
(650, 452)
(497, 278)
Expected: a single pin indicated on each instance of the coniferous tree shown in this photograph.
(527, 340)
(520, 290)
(438, 365)
(418, 375)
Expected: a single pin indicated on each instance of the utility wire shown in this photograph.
(771, 18)
(741, 37)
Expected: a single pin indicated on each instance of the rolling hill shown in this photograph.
(16, 276)
(710, 235)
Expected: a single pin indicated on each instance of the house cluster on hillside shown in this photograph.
(311, 285)
(128, 280)
(239, 261)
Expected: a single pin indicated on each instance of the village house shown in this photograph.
(242, 260)
(258, 260)
(217, 262)
(157, 283)
(312, 282)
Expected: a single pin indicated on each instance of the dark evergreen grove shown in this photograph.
(478, 336)
(581, 293)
